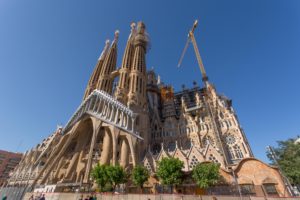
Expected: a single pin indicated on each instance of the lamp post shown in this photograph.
(286, 181)
(236, 182)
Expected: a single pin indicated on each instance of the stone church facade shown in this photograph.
(128, 116)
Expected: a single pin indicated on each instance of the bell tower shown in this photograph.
(137, 97)
(138, 77)
(105, 81)
(124, 79)
(96, 73)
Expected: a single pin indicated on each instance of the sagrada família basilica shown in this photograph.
(128, 116)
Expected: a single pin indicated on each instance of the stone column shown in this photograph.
(114, 152)
(105, 154)
(55, 157)
(81, 142)
(116, 116)
(96, 127)
(60, 164)
(132, 150)
(124, 153)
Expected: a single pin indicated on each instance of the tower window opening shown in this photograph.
(141, 87)
(238, 152)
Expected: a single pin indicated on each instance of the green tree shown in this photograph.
(169, 171)
(99, 174)
(116, 175)
(139, 176)
(206, 174)
(287, 154)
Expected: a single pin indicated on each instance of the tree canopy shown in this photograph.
(99, 174)
(116, 175)
(288, 156)
(108, 175)
(206, 174)
(140, 175)
(169, 171)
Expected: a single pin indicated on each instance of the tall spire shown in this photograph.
(95, 75)
(138, 78)
(123, 84)
(105, 81)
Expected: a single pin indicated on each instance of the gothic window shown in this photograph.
(141, 85)
(234, 122)
(238, 151)
(156, 148)
(230, 139)
(226, 123)
(208, 140)
(244, 147)
(270, 189)
(202, 120)
(231, 153)
(247, 189)
(171, 146)
(187, 144)
(188, 130)
(148, 167)
(221, 115)
(128, 82)
(193, 162)
(212, 158)
(207, 128)
(137, 84)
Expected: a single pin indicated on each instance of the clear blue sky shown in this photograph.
(250, 50)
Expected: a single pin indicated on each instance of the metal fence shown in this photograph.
(76, 196)
(13, 193)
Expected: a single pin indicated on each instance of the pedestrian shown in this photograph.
(87, 197)
(43, 197)
(81, 197)
(94, 197)
(31, 197)
(91, 197)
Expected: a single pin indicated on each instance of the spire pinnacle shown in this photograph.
(141, 27)
(104, 51)
(117, 32)
(132, 25)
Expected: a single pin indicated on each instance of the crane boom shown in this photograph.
(191, 38)
(200, 63)
(210, 108)
(184, 50)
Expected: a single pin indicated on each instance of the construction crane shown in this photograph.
(210, 108)
(191, 38)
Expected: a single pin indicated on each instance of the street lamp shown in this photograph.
(286, 181)
(236, 182)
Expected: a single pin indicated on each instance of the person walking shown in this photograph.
(43, 197)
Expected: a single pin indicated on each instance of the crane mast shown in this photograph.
(191, 38)
(210, 108)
